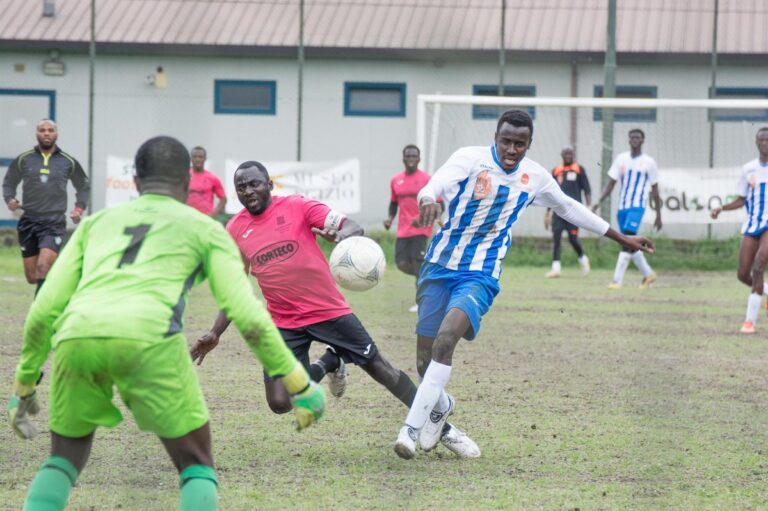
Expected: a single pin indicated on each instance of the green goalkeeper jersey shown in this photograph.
(125, 273)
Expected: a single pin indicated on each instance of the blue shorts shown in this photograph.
(441, 289)
(629, 220)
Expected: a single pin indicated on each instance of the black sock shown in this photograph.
(317, 371)
(328, 363)
(39, 285)
(404, 389)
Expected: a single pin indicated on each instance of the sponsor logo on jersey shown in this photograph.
(524, 179)
(275, 253)
(247, 233)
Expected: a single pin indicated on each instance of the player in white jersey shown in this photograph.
(636, 171)
(485, 190)
(752, 189)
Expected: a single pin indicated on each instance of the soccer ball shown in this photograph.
(357, 263)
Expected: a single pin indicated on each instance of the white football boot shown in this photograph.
(337, 380)
(405, 445)
(430, 433)
(456, 441)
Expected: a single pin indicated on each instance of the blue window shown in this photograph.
(373, 99)
(494, 112)
(629, 114)
(739, 114)
(244, 97)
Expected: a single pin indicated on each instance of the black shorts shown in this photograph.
(41, 232)
(411, 249)
(344, 334)
(559, 225)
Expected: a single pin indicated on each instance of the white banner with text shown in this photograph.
(688, 195)
(336, 184)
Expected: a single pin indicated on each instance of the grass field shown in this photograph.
(580, 398)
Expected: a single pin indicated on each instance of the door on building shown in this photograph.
(20, 110)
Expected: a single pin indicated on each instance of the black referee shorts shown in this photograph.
(345, 334)
(41, 232)
(559, 225)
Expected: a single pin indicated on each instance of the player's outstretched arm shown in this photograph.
(631, 243)
(210, 340)
(348, 228)
(737, 203)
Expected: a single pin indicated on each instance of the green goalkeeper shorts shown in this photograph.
(156, 380)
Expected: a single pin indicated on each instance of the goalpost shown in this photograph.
(699, 144)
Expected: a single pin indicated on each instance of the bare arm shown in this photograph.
(220, 205)
(390, 215)
(656, 204)
(606, 192)
(737, 203)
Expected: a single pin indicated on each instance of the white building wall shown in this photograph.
(128, 111)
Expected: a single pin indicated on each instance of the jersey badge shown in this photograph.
(247, 233)
(482, 186)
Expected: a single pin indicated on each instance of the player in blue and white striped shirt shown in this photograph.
(753, 255)
(485, 190)
(636, 171)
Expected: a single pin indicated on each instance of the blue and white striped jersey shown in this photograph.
(752, 186)
(635, 176)
(483, 201)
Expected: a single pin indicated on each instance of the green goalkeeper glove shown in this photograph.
(308, 405)
(22, 404)
(307, 397)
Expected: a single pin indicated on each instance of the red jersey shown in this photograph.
(286, 260)
(404, 189)
(202, 187)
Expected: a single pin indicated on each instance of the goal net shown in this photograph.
(699, 145)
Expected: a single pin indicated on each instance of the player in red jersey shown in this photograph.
(276, 237)
(204, 185)
(411, 244)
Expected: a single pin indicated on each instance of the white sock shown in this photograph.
(556, 266)
(621, 266)
(765, 289)
(442, 403)
(639, 259)
(753, 307)
(583, 260)
(428, 393)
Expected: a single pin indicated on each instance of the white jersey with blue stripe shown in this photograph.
(483, 201)
(635, 176)
(752, 186)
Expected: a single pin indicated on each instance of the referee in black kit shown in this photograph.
(44, 172)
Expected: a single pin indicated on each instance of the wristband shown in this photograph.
(297, 380)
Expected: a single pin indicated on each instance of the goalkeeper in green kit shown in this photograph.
(111, 311)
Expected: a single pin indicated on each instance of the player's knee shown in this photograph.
(405, 267)
(279, 405)
(442, 349)
(31, 277)
(41, 270)
(744, 275)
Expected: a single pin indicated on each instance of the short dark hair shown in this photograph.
(162, 158)
(636, 130)
(199, 148)
(518, 118)
(252, 163)
(411, 146)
